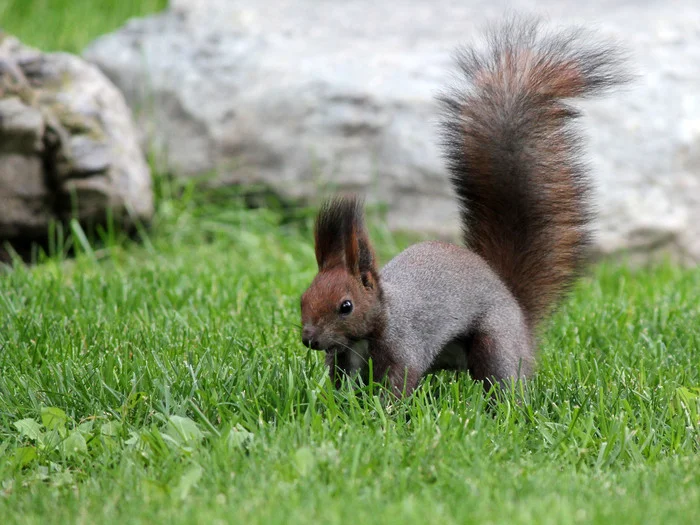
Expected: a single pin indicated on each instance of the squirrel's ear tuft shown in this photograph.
(333, 231)
(341, 238)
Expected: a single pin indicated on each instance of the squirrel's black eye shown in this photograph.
(345, 307)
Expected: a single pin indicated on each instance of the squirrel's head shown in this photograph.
(343, 304)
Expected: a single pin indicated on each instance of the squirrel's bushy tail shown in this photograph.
(515, 159)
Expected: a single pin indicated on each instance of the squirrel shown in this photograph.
(514, 161)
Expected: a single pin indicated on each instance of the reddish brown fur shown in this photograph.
(347, 271)
(514, 157)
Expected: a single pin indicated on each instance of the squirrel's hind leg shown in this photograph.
(496, 356)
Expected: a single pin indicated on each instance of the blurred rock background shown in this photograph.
(307, 97)
(68, 146)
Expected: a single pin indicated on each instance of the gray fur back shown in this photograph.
(435, 293)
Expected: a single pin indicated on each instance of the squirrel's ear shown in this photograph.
(333, 233)
(359, 254)
(367, 262)
(328, 245)
(341, 239)
(352, 249)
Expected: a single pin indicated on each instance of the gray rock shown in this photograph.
(25, 201)
(21, 127)
(305, 96)
(66, 138)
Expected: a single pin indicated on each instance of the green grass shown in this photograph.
(111, 350)
(69, 25)
(165, 382)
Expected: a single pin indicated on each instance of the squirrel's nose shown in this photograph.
(307, 335)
